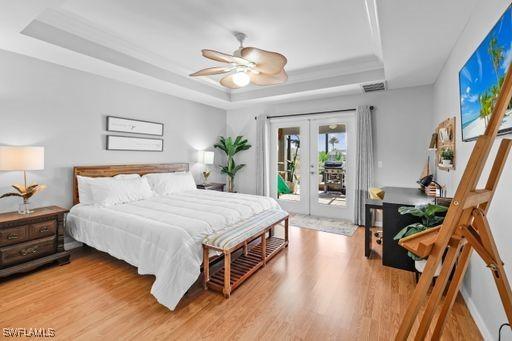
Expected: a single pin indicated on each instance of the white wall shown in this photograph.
(479, 289)
(64, 110)
(402, 120)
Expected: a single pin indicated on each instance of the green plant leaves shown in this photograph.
(427, 213)
(409, 230)
(429, 219)
(431, 209)
(232, 147)
(415, 211)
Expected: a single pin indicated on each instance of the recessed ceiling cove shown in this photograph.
(330, 47)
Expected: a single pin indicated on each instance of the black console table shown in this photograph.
(393, 254)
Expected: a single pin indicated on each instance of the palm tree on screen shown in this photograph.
(496, 53)
(485, 106)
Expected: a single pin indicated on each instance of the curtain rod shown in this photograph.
(313, 113)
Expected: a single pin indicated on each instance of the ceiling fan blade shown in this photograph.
(223, 57)
(212, 71)
(228, 82)
(266, 61)
(265, 79)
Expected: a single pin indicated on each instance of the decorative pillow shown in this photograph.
(169, 183)
(109, 191)
(84, 190)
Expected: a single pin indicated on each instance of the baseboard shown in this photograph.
(486, 334)
(72, 244)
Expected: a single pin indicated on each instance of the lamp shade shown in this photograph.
(205, 157)
(21, 158)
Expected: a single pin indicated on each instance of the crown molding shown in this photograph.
(372, 14)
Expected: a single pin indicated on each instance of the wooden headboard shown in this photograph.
(108, 171)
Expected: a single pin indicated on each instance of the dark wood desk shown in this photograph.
(393, 254)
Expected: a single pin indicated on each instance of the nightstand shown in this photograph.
(31, 240)
(212, 186)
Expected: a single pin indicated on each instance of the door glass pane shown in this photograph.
(288, 163)
(332, 164)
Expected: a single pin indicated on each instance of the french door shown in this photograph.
(312, 164)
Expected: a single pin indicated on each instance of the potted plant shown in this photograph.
(447, 157)
(429, 218)
(231, 148)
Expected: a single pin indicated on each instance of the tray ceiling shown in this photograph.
(332, 46)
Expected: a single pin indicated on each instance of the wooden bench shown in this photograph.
(241, 236)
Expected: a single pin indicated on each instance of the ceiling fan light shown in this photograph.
(241, 79)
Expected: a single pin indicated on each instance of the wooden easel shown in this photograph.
(465, 228)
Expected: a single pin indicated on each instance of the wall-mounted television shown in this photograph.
(481, 78)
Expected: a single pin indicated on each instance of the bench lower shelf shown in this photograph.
(245, 265)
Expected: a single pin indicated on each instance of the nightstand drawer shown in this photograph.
(14, 235)
(23, 252)
(46, 228)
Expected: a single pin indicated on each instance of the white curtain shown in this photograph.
(364, 174)
(262, 155)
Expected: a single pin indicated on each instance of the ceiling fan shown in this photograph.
(246, 65)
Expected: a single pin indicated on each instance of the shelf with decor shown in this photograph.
(446, 151)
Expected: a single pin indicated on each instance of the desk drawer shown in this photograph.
(44, 229)
(14, 235)
(23, 252)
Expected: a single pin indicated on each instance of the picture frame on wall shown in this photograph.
(130, 143)
(128, 125)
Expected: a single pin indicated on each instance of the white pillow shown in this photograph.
(127, 176)
(84, 191)
(169, 183)
(109, 191)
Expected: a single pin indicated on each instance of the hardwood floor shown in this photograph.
(321, 287)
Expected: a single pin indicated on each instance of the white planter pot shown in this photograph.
(420, 266)
(446, 163)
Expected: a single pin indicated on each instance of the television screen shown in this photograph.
(481, 78)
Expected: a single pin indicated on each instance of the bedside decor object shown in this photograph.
(126, 143)
(29, 241)
(231, 148)
(22, 159)
(127, 125)
(446, 141)
(206, 158)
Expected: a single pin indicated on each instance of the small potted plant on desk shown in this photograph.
(429, 218)
(447, 157)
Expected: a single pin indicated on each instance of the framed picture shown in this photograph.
(481, 79)
(127, 125)
(129, 143)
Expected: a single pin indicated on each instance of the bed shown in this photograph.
(161, 235)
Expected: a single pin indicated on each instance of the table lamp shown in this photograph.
(206, 158)
(22, 159)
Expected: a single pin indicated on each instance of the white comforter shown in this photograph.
(162, 236)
